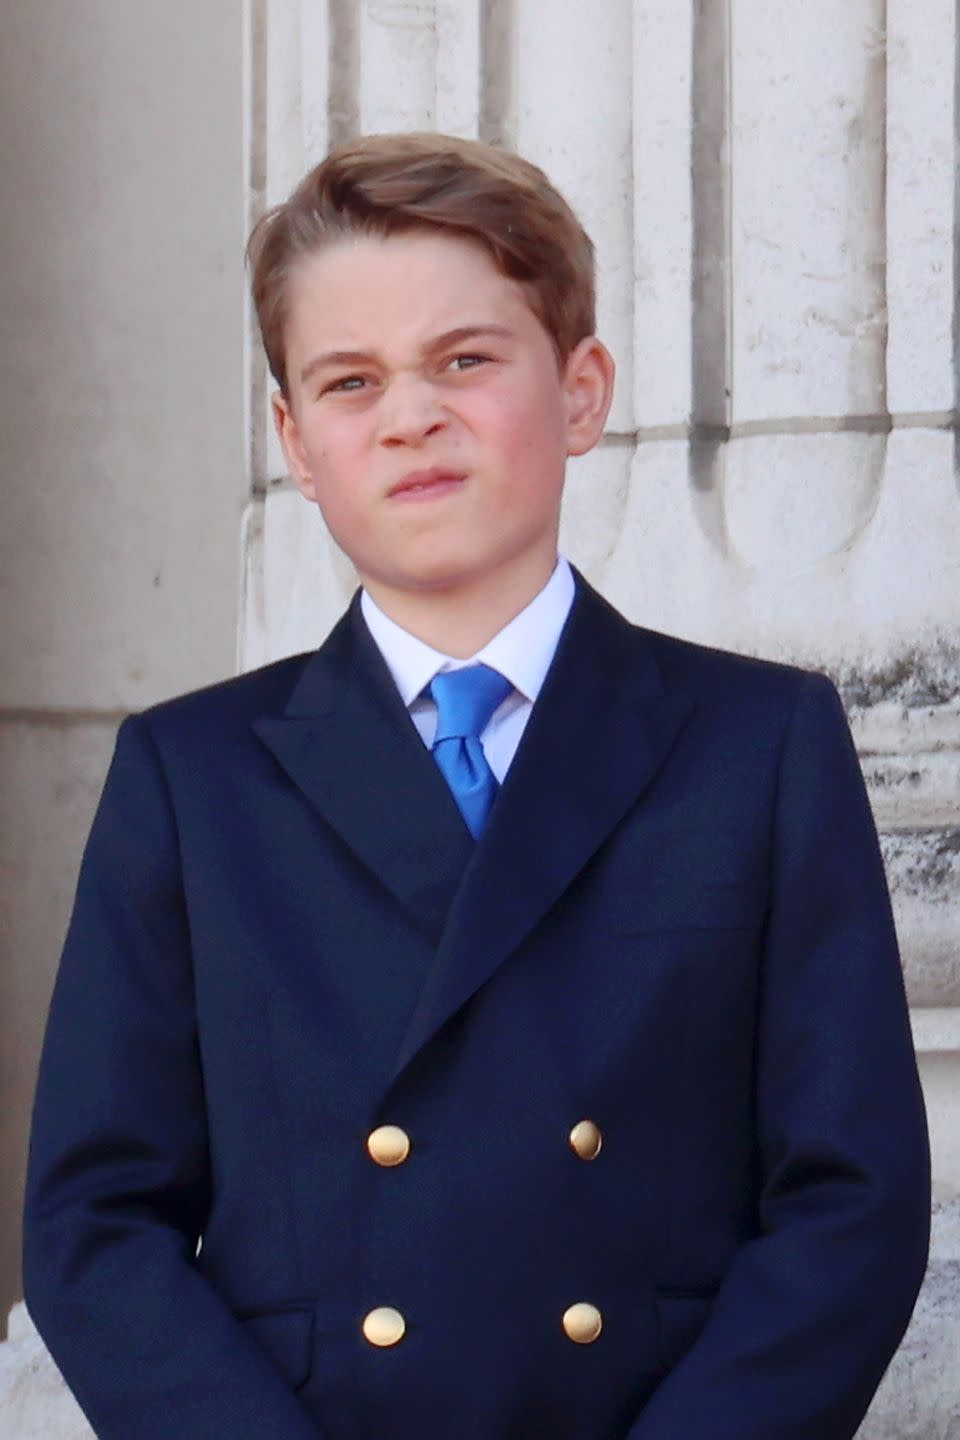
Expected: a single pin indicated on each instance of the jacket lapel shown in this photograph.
(599, 732)
(348, 743)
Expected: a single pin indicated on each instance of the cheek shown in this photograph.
(522, 426)
(324, 442)
(332, 452)
(332, 457)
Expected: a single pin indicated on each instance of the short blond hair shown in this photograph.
(389, 184)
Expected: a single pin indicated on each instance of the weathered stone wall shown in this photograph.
(772, 190)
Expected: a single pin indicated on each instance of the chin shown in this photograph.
(439, 569)
(438, 577)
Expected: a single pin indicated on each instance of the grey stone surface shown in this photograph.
(913, 790)
(919, 1397)
(923, 871)
(34, 1402)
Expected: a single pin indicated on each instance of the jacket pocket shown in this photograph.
(287, 1337)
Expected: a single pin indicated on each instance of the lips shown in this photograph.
(424, 482)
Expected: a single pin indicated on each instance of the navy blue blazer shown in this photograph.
(676, 926)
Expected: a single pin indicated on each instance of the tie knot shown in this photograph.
(466, 699)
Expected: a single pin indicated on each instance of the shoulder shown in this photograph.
(700, 672)
(746, 695)
(225, 708)
(768, 723)
(752, 700)
(707, 672)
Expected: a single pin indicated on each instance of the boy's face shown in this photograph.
(427, 415)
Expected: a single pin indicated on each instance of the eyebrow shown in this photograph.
(440, 342)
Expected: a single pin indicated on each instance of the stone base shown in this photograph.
(34, 1402)
(919, 1397)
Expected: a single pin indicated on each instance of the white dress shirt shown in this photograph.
(521, 651)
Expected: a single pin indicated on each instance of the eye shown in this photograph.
(467, 362)
(345, 384)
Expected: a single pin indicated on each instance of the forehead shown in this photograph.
(365, 291)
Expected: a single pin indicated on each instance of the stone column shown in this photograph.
(122, 442)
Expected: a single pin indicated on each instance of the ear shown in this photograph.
(588, 389)
(289, 435)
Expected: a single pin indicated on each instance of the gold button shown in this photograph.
(388, 1145)
(582, 1323)
(586, 1140)
(384, 1326)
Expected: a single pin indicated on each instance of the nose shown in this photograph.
(410, 412)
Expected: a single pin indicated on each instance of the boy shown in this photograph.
(504, 999)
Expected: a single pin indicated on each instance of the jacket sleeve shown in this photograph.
(811, 1310)
(119, 1175)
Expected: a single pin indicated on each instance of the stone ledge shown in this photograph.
(936, 1031)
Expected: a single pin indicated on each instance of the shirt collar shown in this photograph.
(521, 651)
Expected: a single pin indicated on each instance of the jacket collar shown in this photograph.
(347, 741)
(599, 732)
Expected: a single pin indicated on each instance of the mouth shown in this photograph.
(426, 484)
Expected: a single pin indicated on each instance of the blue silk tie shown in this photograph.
(465, 701)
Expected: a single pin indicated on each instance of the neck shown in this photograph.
(459, 621)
